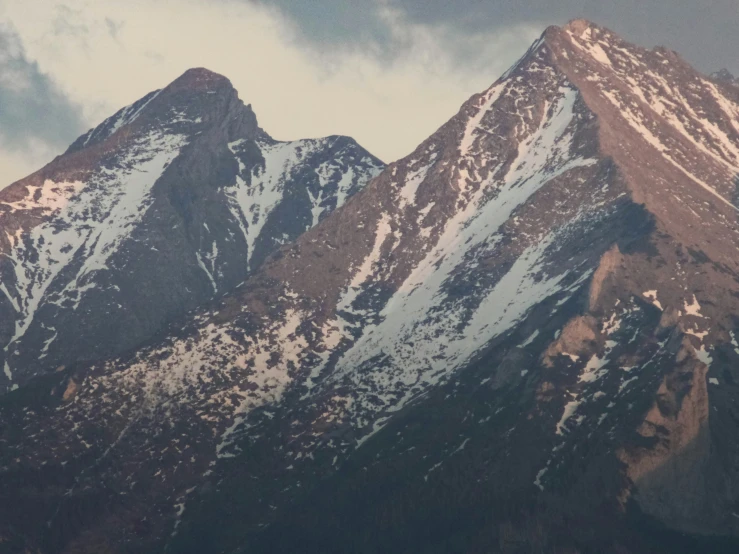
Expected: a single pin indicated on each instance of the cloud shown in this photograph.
(389, 104)
(67, 23)
(113, 27)
(683, 25)
(331, 22)
(36, 117)
(386, 28)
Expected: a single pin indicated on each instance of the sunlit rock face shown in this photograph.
(519, 338)
(174, 200)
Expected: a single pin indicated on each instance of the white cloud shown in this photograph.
(17, 164)
(106, 54)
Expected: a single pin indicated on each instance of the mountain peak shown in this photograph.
(580, 26)
(181, 190)
(548, 284)
(724, 75)
(199, 92)
(578, 32)
(201, 78)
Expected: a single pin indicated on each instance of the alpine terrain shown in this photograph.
(168, 203)
(521, 338)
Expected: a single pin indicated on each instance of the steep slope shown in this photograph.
(520, 337)
(169, 202)
(608, 425)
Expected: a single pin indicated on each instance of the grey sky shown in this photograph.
(705, 32)
(32, 108)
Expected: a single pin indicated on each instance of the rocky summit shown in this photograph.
(725, 76)
(519, 338)
(170, 202)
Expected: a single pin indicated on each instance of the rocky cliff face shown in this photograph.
(170, 202)
(519, 338)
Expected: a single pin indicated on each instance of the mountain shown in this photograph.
(519, 338)
(724, 76)
(173, 200)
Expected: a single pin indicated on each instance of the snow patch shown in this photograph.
(487, 101)
(694, 308)
(90, 220)
(652, 295)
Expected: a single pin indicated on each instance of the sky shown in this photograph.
(387, 72)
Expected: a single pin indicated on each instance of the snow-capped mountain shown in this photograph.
(169, 202)
(519, 338)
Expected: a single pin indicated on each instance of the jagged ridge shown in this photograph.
(530, 271)
(169, 202)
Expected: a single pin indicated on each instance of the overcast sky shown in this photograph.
(387, 72)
